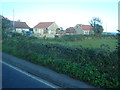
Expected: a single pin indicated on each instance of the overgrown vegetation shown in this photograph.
(96, 26)
(97, 66)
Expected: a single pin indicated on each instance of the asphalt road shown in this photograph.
(13, 77)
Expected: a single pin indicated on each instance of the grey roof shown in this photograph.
(20, 24)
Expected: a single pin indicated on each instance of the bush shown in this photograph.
(97, 66)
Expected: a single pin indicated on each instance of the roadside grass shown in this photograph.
(97, 65)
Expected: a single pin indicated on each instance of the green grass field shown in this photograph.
(94, 43)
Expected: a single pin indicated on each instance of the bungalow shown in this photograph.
(83, 29)
(21, 26)
(45, 29)
(70, 30)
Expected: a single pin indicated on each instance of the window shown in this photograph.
(86, 32)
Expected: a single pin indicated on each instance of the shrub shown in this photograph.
(97, 66)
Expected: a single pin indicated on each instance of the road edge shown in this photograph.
(45, 73)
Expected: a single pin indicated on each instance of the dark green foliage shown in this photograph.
(98, 66)
(6, 23)
(96, 26)
(98, 29)
(75, 37)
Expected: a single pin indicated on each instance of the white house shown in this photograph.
(21, 26)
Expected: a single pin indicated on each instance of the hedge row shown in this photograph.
(94, 66)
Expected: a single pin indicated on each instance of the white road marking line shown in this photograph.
(40, 80)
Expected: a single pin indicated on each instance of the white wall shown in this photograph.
(53, 28)
(38, 31)
(19, 30)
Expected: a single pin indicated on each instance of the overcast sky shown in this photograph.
(66, 13)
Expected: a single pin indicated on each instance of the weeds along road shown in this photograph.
(61, 80)
(13, 77)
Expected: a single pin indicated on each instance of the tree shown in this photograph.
(96, 26)
(6, 23)
(59, 29)
(6, 27)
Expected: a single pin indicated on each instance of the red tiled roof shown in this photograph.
(21, 25)
(43, 24)
(86, 27)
